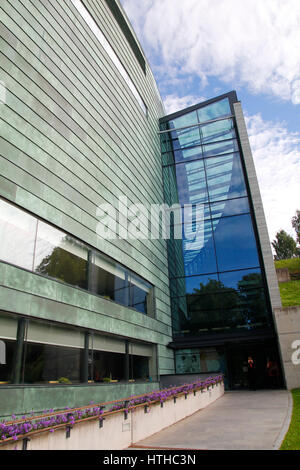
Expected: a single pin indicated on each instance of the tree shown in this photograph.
(284, 245)
(296, 225)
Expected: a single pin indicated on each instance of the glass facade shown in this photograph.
(34, 245)
(41, 352)
(216, 278)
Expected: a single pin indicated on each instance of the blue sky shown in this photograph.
(199, 49)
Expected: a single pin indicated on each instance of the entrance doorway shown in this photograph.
(265, 358)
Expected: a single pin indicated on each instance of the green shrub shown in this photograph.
(64, 380)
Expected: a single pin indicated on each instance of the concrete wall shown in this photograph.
(118, 433)
(288, 326)
(73, 136)
(283, 274)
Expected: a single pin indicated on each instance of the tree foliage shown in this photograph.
(284, 245)
(296, 224)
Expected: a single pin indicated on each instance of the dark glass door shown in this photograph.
(267, 370)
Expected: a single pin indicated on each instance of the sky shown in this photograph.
(199, 49)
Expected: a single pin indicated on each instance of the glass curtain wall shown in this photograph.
(34, 245)
(215, 275)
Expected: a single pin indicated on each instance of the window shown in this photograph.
(199, 361)
(37, 246)
(215, 278)
(42, 352)
(235, 243)
(17, 235)
(60, 256)
(216, 110)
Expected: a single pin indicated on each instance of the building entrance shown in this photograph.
(265, 372)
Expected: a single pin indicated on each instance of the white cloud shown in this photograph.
(175, 103)
(296, 92)
(276, 153)
(254, 42)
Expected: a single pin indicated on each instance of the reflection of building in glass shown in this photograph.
(221, 281)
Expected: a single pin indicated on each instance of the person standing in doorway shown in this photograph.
(273, 373)
(251, 373)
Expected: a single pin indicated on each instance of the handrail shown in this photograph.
(93, 405)
(194, 386)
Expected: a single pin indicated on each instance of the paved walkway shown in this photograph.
(237, 421)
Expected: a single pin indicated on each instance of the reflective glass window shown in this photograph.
(222, 312)
(242, 280)
(225, 179)
(229, 207)
(250, 314)
(109, 279)
(194, 285)
(195, 212)
(201, 321)
(165, 142)
(168, 158)
(192, 153)
(215, 110)
(140, 294)
(17, 235)
(185, 138)
(187, 119)
(235, 243)
(221, 299)
(220, 148)
(199, 361)
(191, 183)
(219, 130)
(198, 254)
(60, 256)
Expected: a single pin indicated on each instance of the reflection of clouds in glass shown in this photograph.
(215, 110)
(17, 235)
(49, 238)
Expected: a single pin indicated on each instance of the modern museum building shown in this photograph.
(86, 317)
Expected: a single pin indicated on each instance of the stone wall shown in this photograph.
(288, 328)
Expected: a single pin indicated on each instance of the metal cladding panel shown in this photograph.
(74, 136)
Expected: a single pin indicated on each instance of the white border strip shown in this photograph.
(105, 44)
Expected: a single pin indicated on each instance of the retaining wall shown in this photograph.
(119, 432)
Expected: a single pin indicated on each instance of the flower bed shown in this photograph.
(50, 421)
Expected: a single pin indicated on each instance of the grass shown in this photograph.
(290, 293)
(292, 264)
(292, 438)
